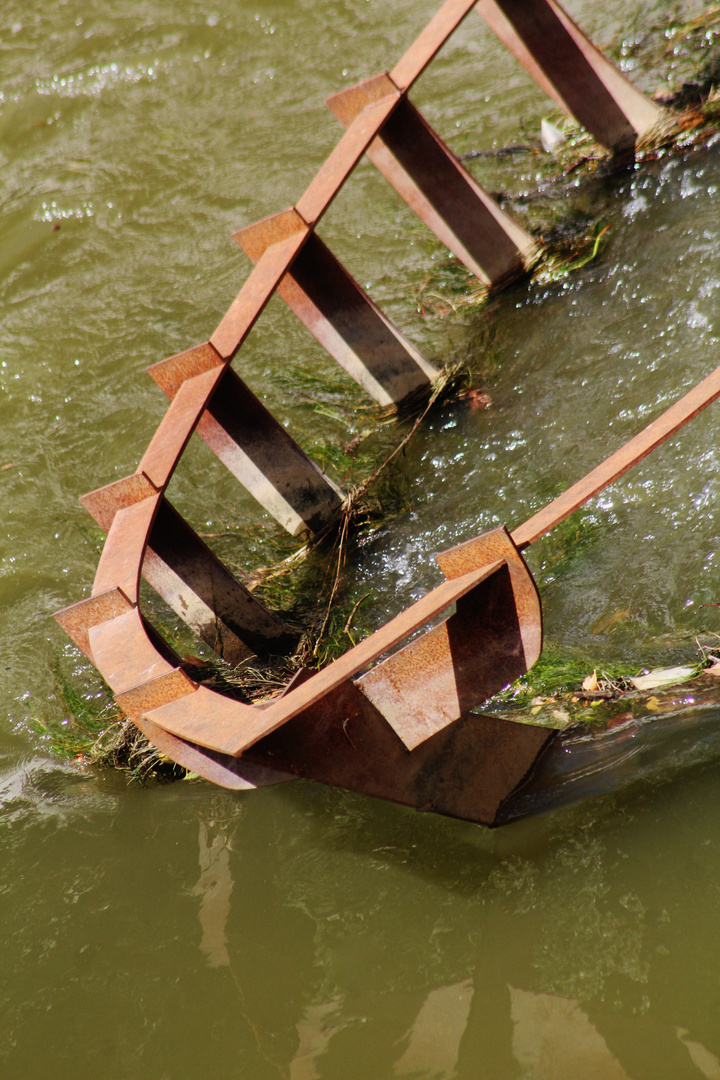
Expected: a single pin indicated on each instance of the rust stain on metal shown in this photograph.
(171, 373)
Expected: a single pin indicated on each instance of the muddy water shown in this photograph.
(301, 932)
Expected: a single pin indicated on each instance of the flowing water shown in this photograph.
(302, 932)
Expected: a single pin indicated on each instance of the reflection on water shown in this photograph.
(332, 936)
(433, 1041)
(302, 933)
(214, 887)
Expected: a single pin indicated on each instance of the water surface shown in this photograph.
(300, 932)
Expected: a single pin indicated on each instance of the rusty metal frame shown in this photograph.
(392, 716)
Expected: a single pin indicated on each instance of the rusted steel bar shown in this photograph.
(431, 39)
(568, 67)
(160, 459)
(343, 318)
(255, 447)
(334, 172)
(192, 581)
(434, 184)
(245, 310)
(618, 463)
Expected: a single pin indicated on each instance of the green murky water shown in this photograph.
(298, 932)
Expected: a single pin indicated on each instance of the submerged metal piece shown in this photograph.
(393, 716)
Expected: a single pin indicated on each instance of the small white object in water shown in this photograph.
(662, 677)
(551, 137)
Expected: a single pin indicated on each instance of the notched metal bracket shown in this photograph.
(494, 636)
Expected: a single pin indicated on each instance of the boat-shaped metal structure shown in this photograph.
(393, 717)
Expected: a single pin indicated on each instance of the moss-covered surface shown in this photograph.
(92, 733)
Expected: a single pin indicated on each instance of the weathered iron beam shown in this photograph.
(256, 449)
(425, 173)
(192, 581)
(571, 70)
(340, 314)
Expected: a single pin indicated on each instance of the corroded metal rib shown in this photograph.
(341, 315)
(428, 176)
(571, 70)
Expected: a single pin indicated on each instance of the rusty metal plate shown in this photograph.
(343, 318)
(123, 653)
(428, 176)
(122, 555)
(202, 591)
(494, 637)
(255, 239)
(266, 459)
(77, 619)
(103, 503)
(467, 770)
(483, 236)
